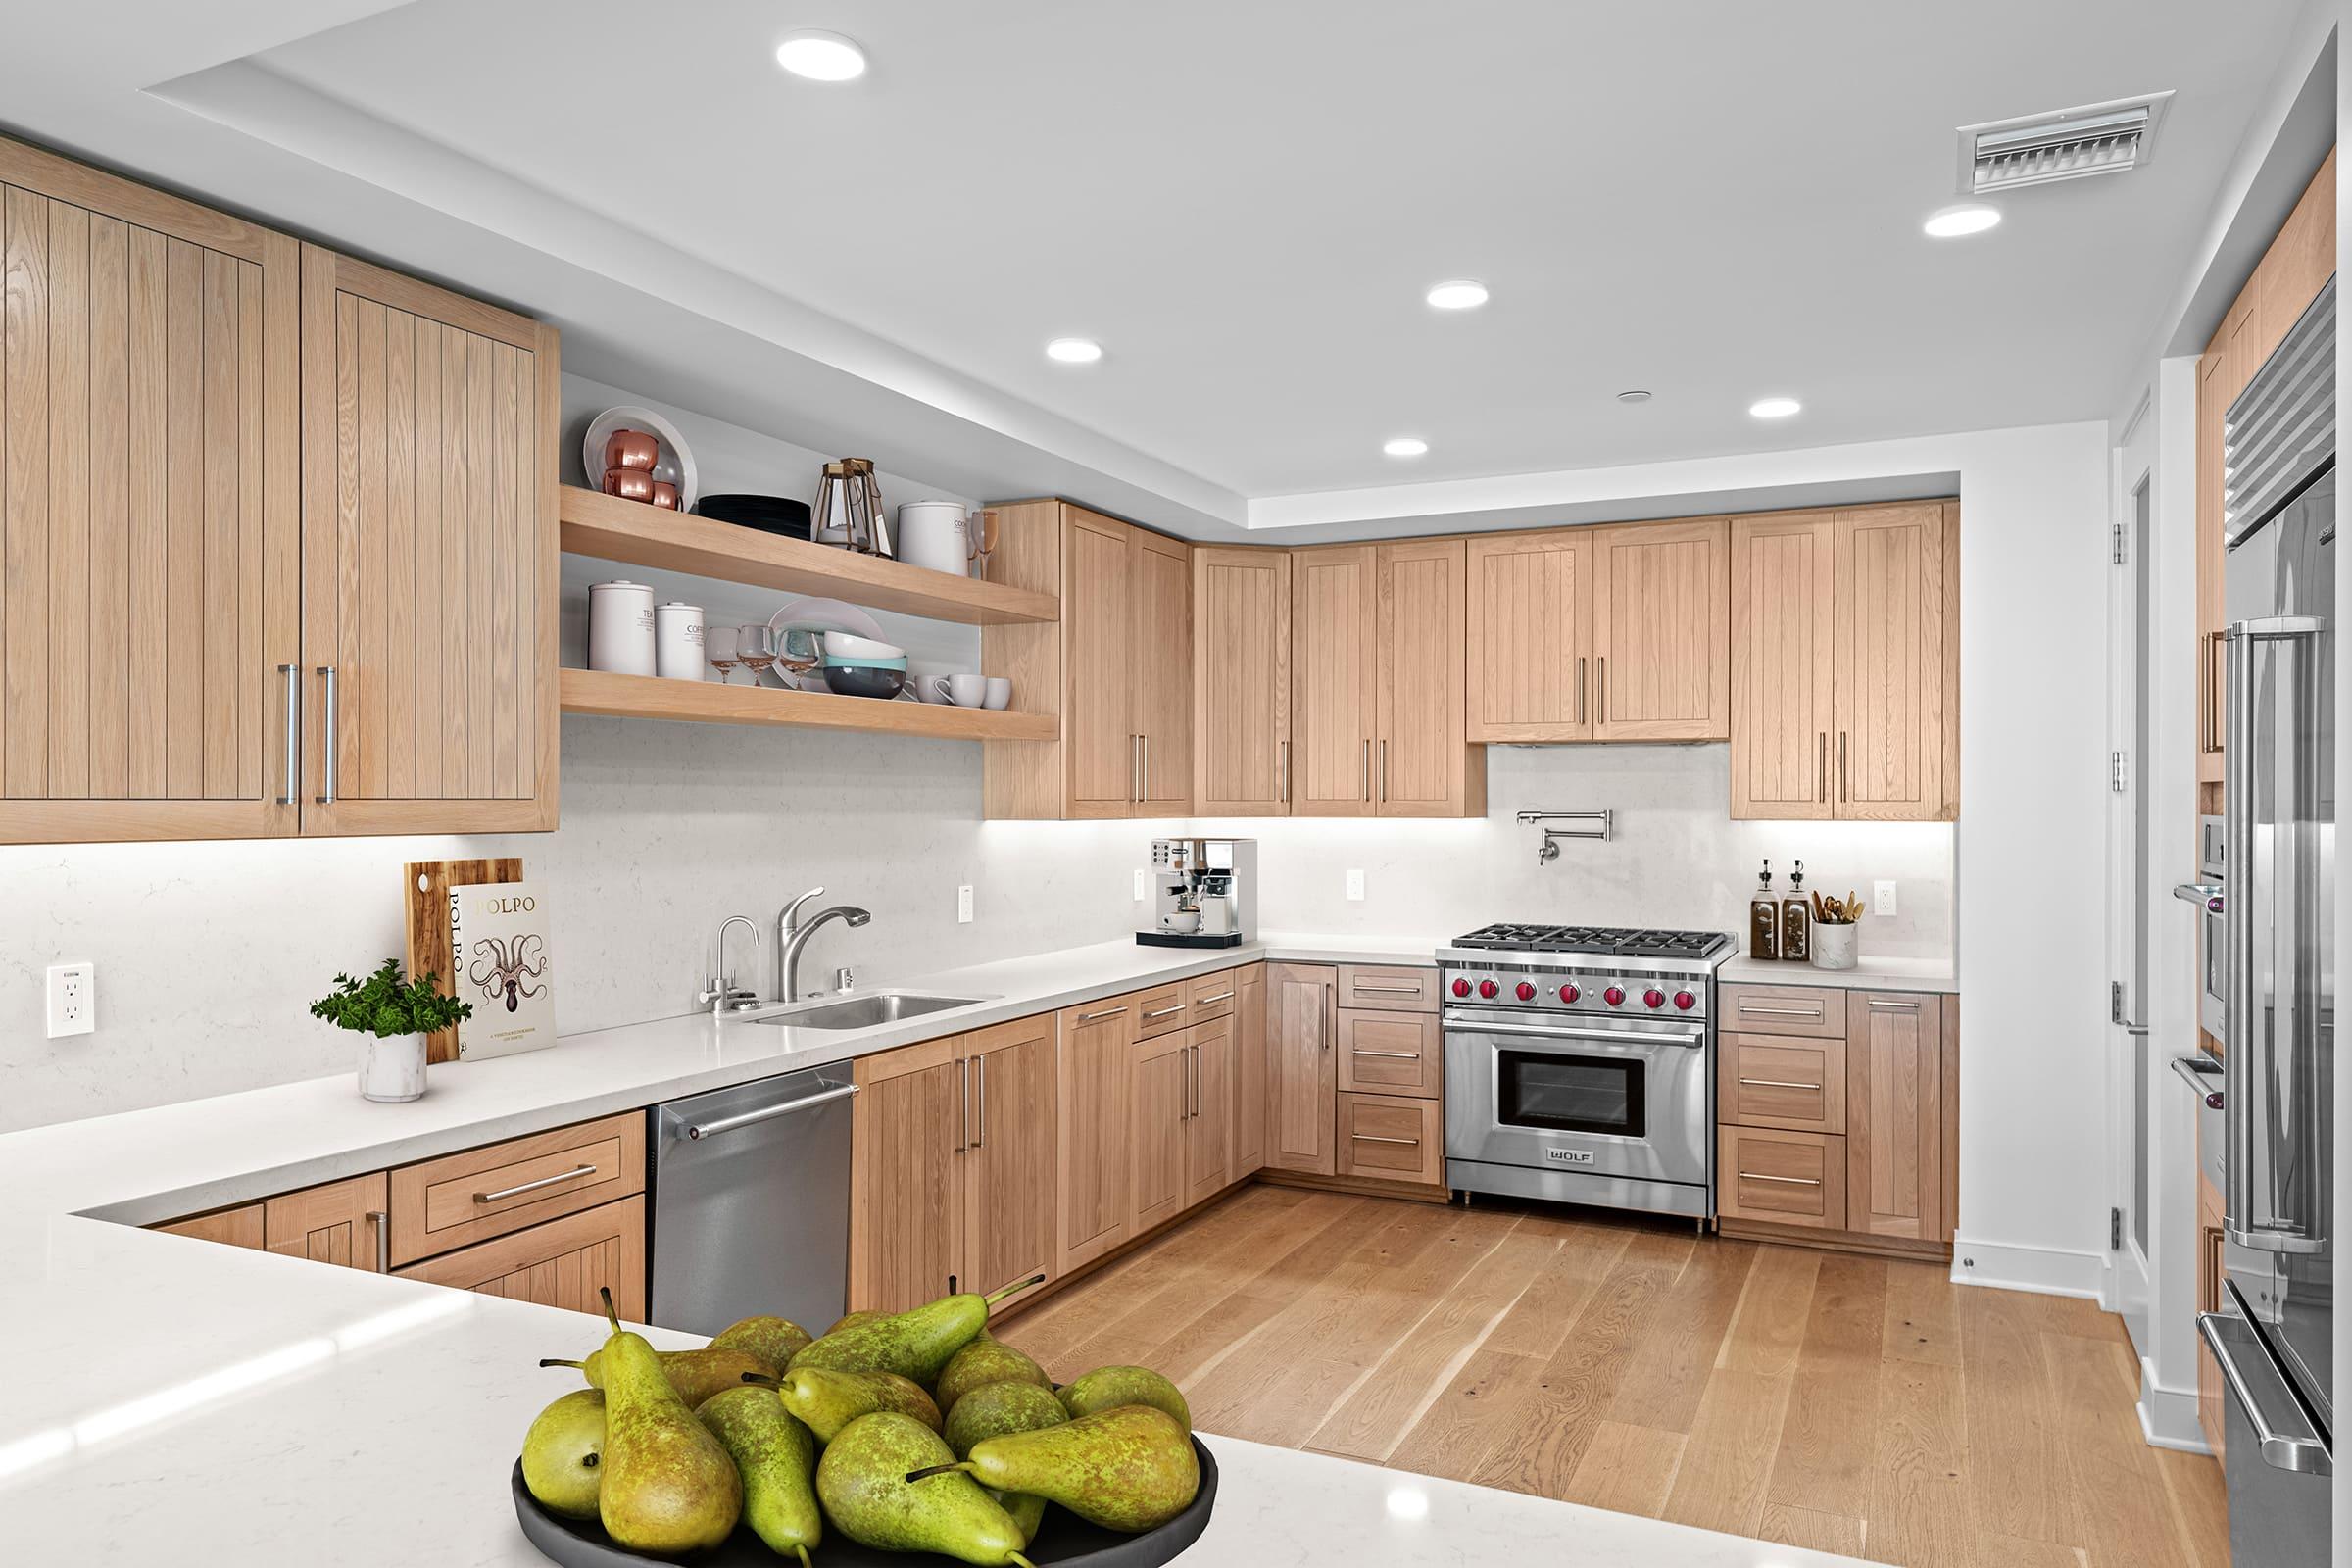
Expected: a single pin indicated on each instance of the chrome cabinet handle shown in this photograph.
(1367, 768)
(382, 1222)
(1779, 1083)
(1388, 991)
(980, 1078)
(1821, 787)
(1877, 1004)
(1845, 785)
(963, 1104)
(293, 674)
(727, 1124)
(1605, 688)
(1790, 1181)
(1375, 1137)
(328, 746)
(1190, 1080)
(1384, 769)
(1135, 768)
(1222, 996)
(1765, 1010)
(520, 1188)
(1163, 1012)
(1098, 1017)
(1143, 767)
(1581, 688)
(1282, 772)
(1397, 1055)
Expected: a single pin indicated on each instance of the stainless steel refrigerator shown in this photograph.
(2273, 1335)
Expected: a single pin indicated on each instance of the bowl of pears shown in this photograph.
(892, 1438)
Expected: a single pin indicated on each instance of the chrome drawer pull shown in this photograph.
(1397, 1055)
(1875, 1006)
(1779, 1083)
(1793, 1181)
(1222, 996)
(532, 1187)
(1413, 990)
(1375, 1137)
(382, 1222)
(1746, 1006)
(1097, 1017)
(1163, 1012)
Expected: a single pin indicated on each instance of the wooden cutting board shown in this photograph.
(427, 884)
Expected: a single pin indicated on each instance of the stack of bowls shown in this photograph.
(861, 666)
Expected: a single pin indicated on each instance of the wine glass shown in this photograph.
(718, 646)
(755, 647)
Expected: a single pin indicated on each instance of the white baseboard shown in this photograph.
(2168, 1417)
(2047, 1270)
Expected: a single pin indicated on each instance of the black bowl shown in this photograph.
(864, 680)
(767, 513)
(1064, 1538)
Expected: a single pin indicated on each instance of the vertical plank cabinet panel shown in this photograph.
(1891, 705)
(565, 1263)
(1530, 656)
(345, 1223)
(1208, 1109)
(909, 1130)
(1009, 1231)
(1334, 629)
(410, 391)
(1300, 1078)
(234, 1227)
(1661, 631)
(1241, 681)
(1092, 1166)
(1158, 1108)
(1250, 1093)
(1423, 764)
(149, 514)
(1894, 1117)
(1100, 648)
(1161, 696)
(1782, 682)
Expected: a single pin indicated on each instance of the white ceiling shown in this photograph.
(1243, 201)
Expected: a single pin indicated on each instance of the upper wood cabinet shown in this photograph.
(1661, 667)
(1335, 616)
(149, 511)
(1529, 670)
(1117, 668)
(1846, 663)
(429, 430)
(1241, 681)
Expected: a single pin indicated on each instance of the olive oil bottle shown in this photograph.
(1796, 920)
(1764, 918)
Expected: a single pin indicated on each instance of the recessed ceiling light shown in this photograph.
(1405, 445)
(1774, 408)
(1461, 294)
(1969, 219)
(1074, 350)
(821, 57)
(1634, 395)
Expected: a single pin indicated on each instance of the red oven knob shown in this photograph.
(1488, 989)
(1571, 991)
(1461, 988)
(1525, 992)
(1685, 1001)
(1613, 996)
(1654, 997)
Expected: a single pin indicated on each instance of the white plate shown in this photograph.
(630, 417)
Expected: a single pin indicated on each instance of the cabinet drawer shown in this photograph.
(1784, 1011)
(459, 1199)
(1783, 1081)
(1398, 988)
(1391, 1140)
(1391, 1053)
(563, 1263)
(1787, 1178)
(1161, 1008)
(1213, 996)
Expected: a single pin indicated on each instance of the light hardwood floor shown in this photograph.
(1854, 1404)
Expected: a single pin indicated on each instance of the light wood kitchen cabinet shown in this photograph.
(1894, 1115)
(1390, 1053)
(1389, 988)
(1783, 588)
(1249, 1083)
(1161, 1104)
(457, 1200)
(1099, 642)
(1300, 1078)
(1009, 1231)
(1093, 1167)
(345, 1223)
(150, 511)
(1335, 621)
(908, 1133)
(1241, 681)
(1782, 1178)
(1781, 1081)
(1162, 698)
(1529, 661)
(1208, 1117)
(241, 1226)
(1424, 763)
(1661, 637)
(430, 429)
(1385, 1138)
(568, 1262)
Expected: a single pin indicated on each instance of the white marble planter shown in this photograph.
(391, 1068)
(1834, 946)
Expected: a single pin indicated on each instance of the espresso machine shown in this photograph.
(1204, 893)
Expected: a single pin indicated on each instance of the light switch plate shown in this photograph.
(72, 998)
(1143, 886)
(964, 904)
(1355, 885)
(1881, 898)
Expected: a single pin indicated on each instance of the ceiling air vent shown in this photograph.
(2109, 138)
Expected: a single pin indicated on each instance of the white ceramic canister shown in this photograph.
(1834, 946)
(620, 628)
(678, 641)
(932, 535)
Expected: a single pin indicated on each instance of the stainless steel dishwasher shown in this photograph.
(752, 1202)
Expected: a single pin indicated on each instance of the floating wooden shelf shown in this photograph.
(595, 691)
(613, 529)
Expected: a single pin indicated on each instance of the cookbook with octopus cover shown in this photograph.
(498, 940)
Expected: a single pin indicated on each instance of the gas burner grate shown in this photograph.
(1606, 941)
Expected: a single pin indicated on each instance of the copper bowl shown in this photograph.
(630, 484)
(664, 494)
(631, 449)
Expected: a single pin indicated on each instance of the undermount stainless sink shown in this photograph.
(866, 1011)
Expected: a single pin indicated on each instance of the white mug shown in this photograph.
(965, 691)
(1000, 693)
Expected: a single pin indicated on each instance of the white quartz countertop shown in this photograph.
(1868, 973)
(174, 1401)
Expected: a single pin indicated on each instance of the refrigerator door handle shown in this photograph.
(2282, 1431)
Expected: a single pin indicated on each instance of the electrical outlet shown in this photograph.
(72, 998)
(964, 904)
(1143, 886)
(1881, 898)
(1355, 885)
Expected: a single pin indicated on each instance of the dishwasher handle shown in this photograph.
(727, 1124)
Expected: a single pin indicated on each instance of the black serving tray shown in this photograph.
(1188, 938)
(1064, 1538)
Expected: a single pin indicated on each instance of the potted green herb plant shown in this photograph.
(393, 1016)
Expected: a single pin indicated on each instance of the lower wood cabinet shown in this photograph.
(1159, 1099)
(1302, 1082)
(345, 1223)
(1388, 1138)
(1092, 1166)
(1784, 1178)
(1008, 1164)
(234, 1227)
(1894, 1115)
(1390, 1053)
(566, 1262)
(1781, 1081)
(455, 1201)
(1250, 1081)
(1208, 1116)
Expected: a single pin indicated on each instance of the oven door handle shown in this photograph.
(1657, 1037)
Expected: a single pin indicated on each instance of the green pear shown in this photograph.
(776, 1457)
(984, 1361)
(1130, 1469)
(773, 1340)
(852, 1319)
(563, 1453)
(863, 1483)
(826, 1401)
(1106, 1387)
(992, 1410)
(917, 1344)
(695, 1374)
(668, 1486)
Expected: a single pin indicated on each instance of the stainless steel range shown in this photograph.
(1580, 1064)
